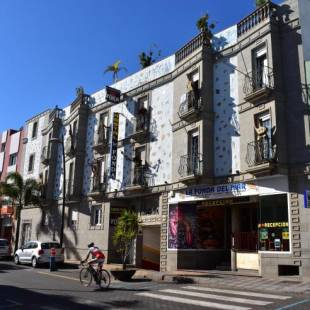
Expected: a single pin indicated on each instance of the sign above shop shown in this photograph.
(217, 189)
(307, 199)
(112, 94)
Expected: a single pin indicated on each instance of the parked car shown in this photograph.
(5, 250)
(37, 253)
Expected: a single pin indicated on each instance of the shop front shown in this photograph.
(226, 226)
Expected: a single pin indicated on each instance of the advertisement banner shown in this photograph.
(113, 163)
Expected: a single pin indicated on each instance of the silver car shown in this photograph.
(37, 252)
(5, 250)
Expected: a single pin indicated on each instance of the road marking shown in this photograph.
(219, 297)
(59, 276)
(293, 305)
(242, 293)
(211, 305)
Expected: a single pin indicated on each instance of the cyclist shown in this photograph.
(97, 256)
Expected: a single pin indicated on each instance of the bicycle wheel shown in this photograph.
(86, 277)
(105, 279)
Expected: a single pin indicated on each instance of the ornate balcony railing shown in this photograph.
(191, 106)
(55, 114)
(141, 122)
(189, 48)
(191, 165)
(257, 83)
(70, 146)
(99, 185)
(45, 155)
(142, 176)
(259, 15)
(102, 139)
(259, 152)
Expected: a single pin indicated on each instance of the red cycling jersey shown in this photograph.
(95, 252)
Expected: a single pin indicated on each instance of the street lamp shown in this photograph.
(61, 141)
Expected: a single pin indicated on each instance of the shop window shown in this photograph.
(273, 223)
(193, 226)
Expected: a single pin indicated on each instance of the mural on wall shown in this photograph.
(226, 124)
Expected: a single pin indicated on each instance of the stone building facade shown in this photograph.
(210, 146)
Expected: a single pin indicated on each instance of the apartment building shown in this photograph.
(210, 146)
(10, 161)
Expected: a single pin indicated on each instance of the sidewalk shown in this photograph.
(245, 279)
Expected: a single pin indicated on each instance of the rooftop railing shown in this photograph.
(259, 15)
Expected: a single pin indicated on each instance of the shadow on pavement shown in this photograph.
(6, 266)
(16, 297)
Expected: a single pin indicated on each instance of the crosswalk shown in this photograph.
(215, 298)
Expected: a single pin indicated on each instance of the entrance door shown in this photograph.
(151, 247)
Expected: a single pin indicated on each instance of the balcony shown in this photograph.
(260, 157)
(142, 178)
(101, 143)
(70, 146)
(260, 15)
(258, 86)
(98, 186)
(45, 155)
(141, 125)
(191, 107)
(191, 167)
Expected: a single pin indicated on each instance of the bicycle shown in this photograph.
(88, 273)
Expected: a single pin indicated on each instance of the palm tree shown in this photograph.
(125, 233)
(204, 26)
(23, 193)
(260, 2)
(115, 69)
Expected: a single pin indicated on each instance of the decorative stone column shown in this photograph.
(163, 232)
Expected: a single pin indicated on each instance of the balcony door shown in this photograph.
(261, 78)
(265, 144)
(193, 155)
(139, 164)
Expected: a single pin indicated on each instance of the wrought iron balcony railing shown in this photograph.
(102, 139)
(99, 185)
(45, 155)
(191, 165)
(141, 122)
(142, 176)
(257, 83)
(191, 106)
(259, 152)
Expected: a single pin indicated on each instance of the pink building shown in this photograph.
(10, 161)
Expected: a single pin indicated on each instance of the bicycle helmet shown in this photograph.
(91, 245)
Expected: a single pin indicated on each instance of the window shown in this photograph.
(70, 179)
(139, 166)
(2, 147)
(260, 68)
(273, 223)
(103, 129)
(74, 131)
(263, 133)
(34, 130)
(12, 159)
(73, 219)
(31, 163)
(96, 216)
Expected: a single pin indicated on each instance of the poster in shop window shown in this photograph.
(195, 227)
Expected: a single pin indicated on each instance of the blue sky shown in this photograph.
(48, 48)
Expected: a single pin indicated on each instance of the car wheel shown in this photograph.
(16, 259)
(34, 262)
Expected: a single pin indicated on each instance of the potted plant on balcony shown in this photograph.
(126, 232)
(205, 27)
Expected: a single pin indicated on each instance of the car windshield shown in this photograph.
(49, 245)
(3, 243)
